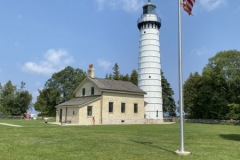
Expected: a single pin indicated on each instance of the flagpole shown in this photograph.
(181, 151)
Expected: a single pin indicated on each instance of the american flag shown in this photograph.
(188, 5)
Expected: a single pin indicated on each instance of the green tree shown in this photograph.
(8, 97)
(216, 93)
(116, 72)
(66, 81)
(169, 104)
(234, 111)
(23, 100)
(134, 77)
(191, 89)
(125, 78)
(14, 101)
(47, 100)
(216, 103)
(226, 65)
(59, 88)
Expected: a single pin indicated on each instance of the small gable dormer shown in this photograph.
(87, 88)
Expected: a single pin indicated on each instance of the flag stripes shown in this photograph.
(188, 5)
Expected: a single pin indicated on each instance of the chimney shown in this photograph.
(91, 71)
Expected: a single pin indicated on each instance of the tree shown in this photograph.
(116, 73)
(14, 101)
(23, 100)
(216, 93)
(124, 78)
(234, 111)
(8, 97)
(191, 89)
(226, 65)
(66, 81)
(134, 77)
(47, 100)
(167, 95)
(59, 88)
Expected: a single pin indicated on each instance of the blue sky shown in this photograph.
(40, 37)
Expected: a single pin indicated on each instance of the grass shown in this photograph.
(39, 141)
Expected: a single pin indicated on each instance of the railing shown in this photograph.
(151, 19)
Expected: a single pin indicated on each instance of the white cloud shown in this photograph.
(54, 60)
(210, 5)
(104, 64)
(125, 5)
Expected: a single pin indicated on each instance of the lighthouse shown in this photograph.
(149, 67)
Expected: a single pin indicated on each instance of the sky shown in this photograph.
(42, 37)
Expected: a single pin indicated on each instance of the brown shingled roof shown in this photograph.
(116, 85)
(79, 101)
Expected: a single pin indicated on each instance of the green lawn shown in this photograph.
(39, 141)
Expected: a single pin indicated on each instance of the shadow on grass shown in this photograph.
(233, 137)
(150, 144)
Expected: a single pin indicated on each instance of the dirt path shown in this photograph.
(13, 125)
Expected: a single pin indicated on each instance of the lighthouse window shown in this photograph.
(149, 76)
(144, 32)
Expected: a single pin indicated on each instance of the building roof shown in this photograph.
(116, 85)
(79, 101)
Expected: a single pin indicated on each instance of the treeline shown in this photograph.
(59, 88)
(215, 94)
(13, 100)
(116, 75)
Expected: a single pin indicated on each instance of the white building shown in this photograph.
(103, 101)
(149, 67)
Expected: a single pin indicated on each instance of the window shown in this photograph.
(89, 110)
(135, 108)
(83, 91)
(110, 107)
(73, 112)
(122, 107)
(92, 91)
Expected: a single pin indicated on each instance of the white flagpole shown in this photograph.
(181, 151)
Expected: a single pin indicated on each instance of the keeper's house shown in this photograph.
(103, 101)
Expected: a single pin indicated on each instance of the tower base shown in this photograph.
(182, 153)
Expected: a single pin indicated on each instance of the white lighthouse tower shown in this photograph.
(149, 67)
